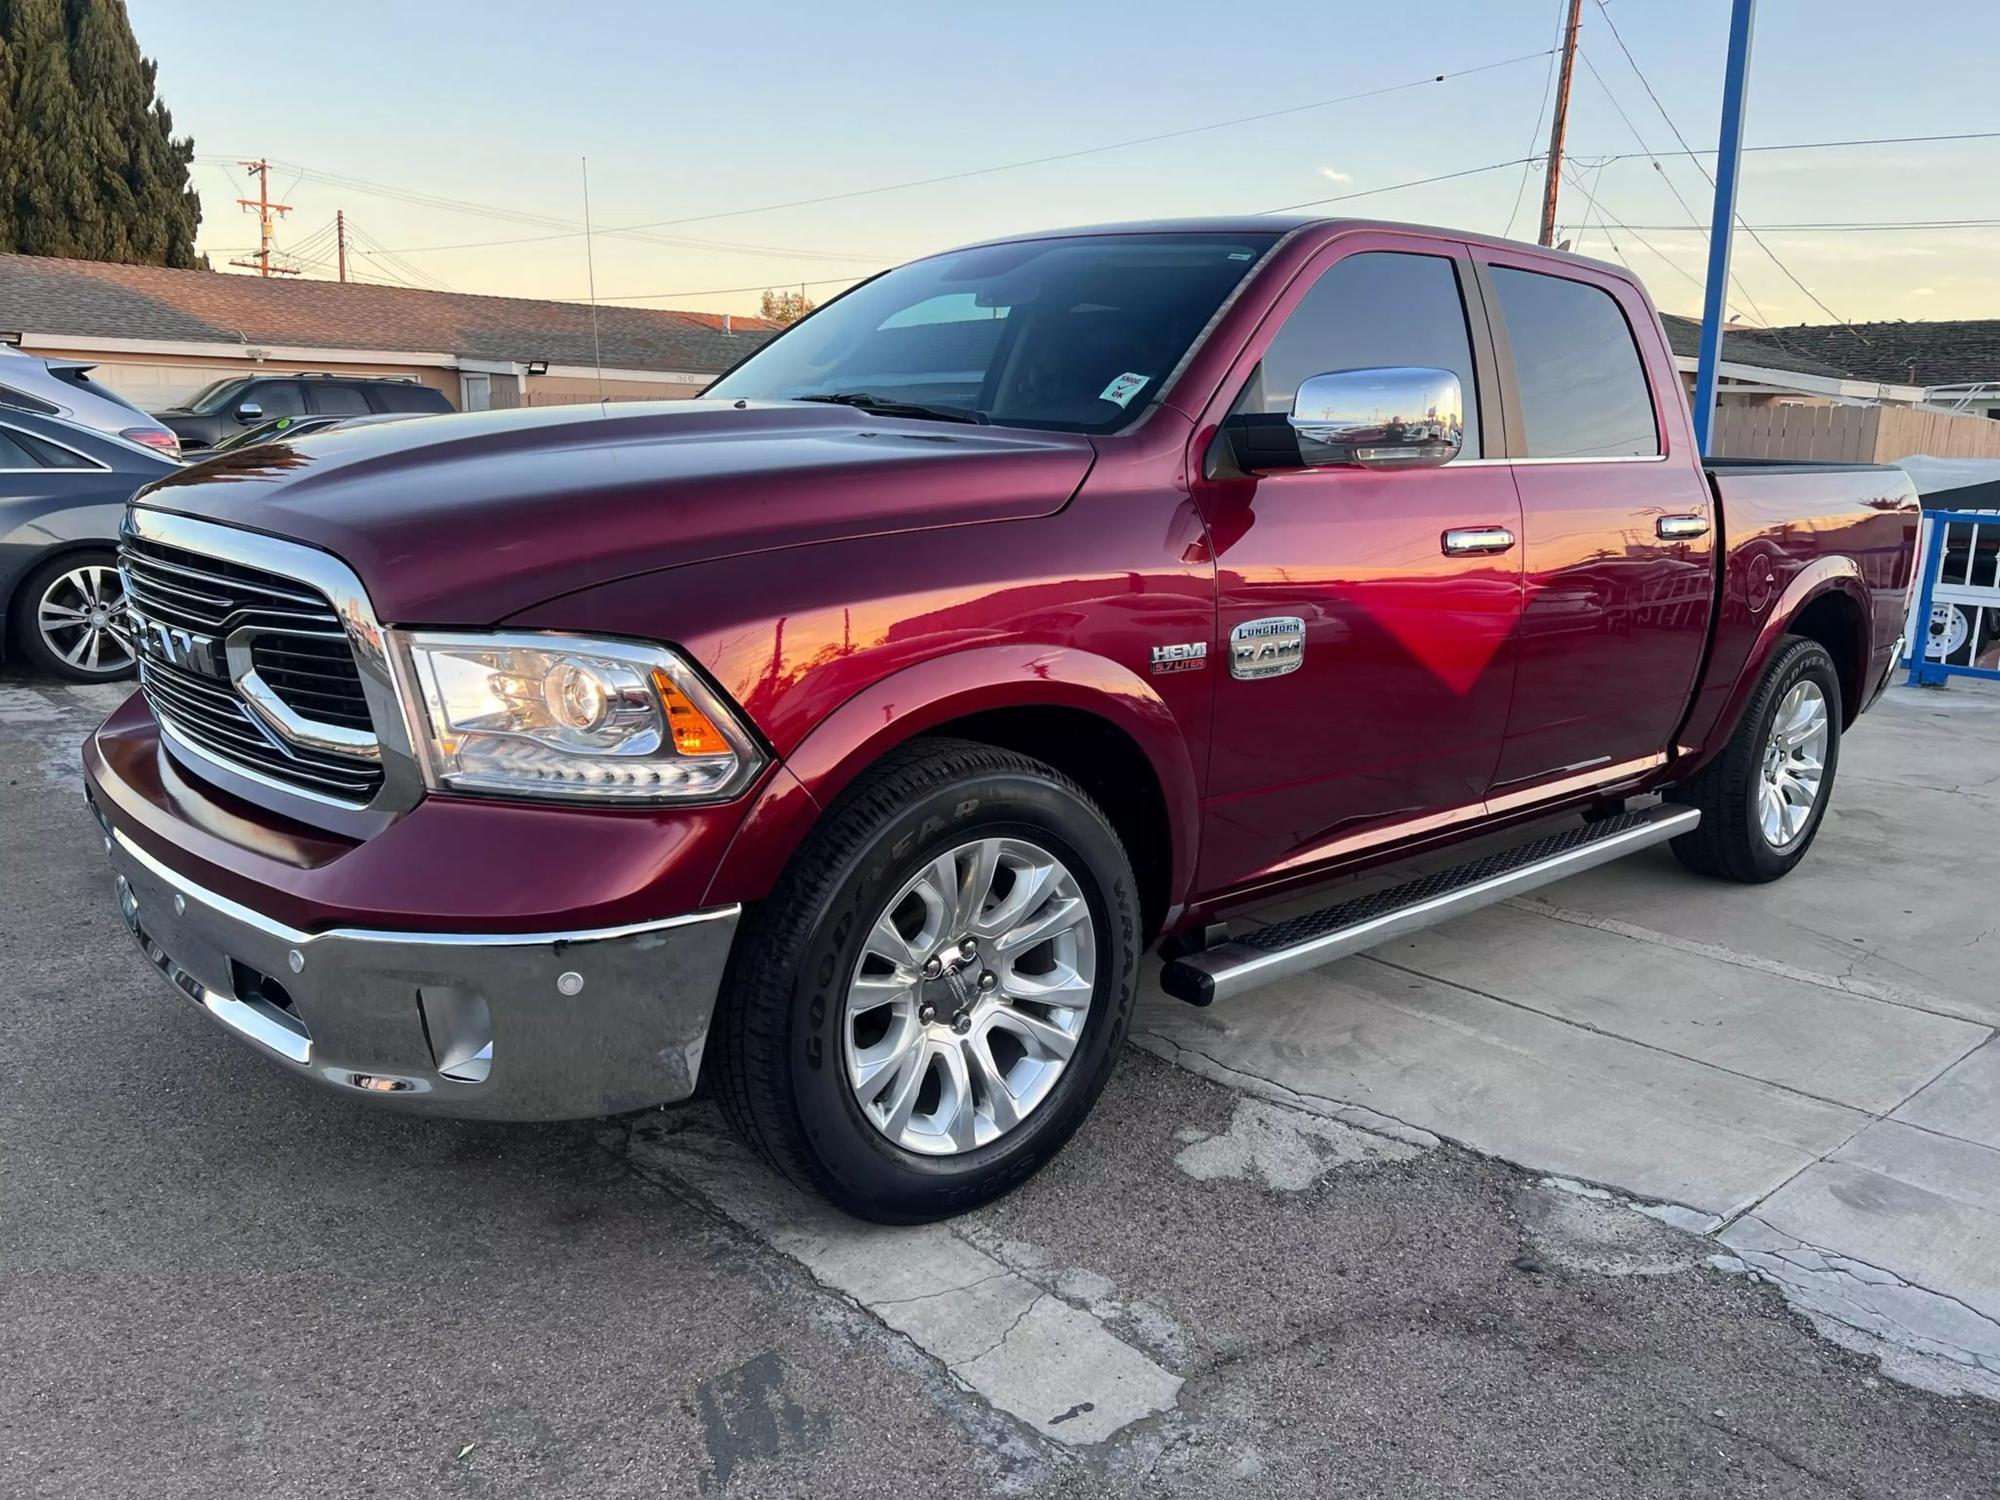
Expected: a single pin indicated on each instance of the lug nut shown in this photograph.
(927, 1014)
(962, 1022)
(934, 968)
(969, 947)
(989, 981)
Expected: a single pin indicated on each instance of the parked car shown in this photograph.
(63, 490)
(851, 735)
(290, 429)
(227, 406)
(63, 388)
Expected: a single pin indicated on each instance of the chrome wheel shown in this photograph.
(1794, 763)
(81, 617)
(970, 996)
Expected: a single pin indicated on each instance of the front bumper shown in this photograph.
(509, 1026)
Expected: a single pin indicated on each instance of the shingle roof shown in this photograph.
(1954, 351)
(1771, 350)
(86, 299)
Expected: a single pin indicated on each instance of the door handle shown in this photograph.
(1681, 528)
(1468, 541)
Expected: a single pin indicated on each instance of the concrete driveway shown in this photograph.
(1806, 1071)
(214, 1283)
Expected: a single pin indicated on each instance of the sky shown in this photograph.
(709, 123)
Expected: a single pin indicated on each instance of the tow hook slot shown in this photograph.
(458, 1025)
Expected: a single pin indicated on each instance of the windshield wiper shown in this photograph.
(892, 408)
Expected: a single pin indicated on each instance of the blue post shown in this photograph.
(1923, 673)
(1729, 151)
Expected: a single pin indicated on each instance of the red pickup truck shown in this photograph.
(849, 736)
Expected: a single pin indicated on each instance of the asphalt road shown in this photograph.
(213, 1282)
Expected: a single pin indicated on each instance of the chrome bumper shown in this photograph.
(541, 1026)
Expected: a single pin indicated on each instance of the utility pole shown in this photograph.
(261, 261)
(340, 239)
(1728, 157)
(1560, 124)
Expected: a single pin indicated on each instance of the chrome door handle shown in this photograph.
(1681, 528)
(1472, 540)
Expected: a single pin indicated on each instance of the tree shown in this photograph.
(787, 307)
(89, 165)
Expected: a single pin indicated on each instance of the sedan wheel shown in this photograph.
(80, 618)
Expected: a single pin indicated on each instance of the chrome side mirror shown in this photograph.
(249, 411)
(1399, 417)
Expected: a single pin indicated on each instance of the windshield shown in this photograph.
(213, 396)
(1073, 334)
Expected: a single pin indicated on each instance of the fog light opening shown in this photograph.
(458, 1026)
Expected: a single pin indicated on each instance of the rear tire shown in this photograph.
(832, 991)
(1763, 799)
(69, 618)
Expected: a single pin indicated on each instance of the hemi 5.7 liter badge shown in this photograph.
(1270, 647)
(1182, 656)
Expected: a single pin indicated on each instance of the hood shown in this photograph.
(466, 519)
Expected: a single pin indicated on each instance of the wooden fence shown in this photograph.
(1854, 434)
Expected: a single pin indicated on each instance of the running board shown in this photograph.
(1305, 942)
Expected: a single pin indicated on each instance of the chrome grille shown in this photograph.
(298, 646)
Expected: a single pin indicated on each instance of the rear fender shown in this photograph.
(921, 697)
(1822, 576)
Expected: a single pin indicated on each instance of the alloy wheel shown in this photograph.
(82, 620)
(969, 997)
(1787, 789)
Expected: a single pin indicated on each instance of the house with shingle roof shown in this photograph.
(1957, 360)
(158, 335)
(1768, 363)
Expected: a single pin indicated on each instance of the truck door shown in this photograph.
(1619, 543)
(1393, 710)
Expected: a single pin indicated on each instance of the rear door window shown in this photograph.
(1583, 388)
(338, 400)
(406, 395)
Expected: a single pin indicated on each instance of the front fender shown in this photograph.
(921, 697)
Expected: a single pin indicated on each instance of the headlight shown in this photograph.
(551, 715)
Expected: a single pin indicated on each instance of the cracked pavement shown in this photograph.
(216, 1283)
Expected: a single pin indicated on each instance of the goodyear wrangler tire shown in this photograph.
(930, 1002)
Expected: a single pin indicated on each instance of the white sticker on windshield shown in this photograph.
(1124, 388)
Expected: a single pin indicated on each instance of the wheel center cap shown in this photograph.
(98, 617)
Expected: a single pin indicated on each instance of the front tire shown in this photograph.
(1763, 799)
(930, 1002)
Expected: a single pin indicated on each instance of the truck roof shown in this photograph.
(1289, 223)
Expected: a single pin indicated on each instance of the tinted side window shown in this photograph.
(338, 400)
(14, 454)
(51, 455)
(1368, 311)
(1583, 389)
(279, 398)
(407, 396)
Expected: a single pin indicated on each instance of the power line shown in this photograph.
(570, 232)
(1512, 161)
(1771, 254)
(1144, 140)
(1838, 226)
(1686, 208)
